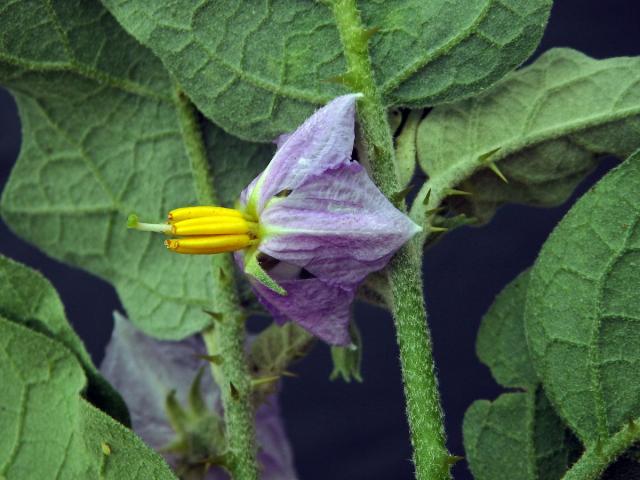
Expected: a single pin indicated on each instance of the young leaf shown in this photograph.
(406, 148)
(26, 297)
(518, 435)
(548, 121)
(259, 69)
(274, 349)
(103, 136)
(583, 309)
(48, 429)
(501, 343)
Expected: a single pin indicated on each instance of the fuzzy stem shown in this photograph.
(597, 457)
(227, 337)
(430, 456)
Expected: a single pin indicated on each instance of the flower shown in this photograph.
(307, 230)
(146, 371)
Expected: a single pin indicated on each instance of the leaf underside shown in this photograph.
(549, 122)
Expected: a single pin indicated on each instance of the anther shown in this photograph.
(209, 244)
(185, 213)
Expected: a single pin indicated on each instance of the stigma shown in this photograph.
(203, 230)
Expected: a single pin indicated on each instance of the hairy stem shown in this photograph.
(227, 337)
(597, 457)
(430, 456)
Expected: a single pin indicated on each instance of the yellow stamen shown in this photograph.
(213, 226)
(204, 230)
(197, 212)
(209, 244)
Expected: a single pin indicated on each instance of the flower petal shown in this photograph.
(323, 141)
(337, 225)
(322, 309)
(145, 370)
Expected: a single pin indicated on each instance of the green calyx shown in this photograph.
(253, 268)
(200, 434)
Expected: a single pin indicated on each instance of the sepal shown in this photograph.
(200, 439)
(253, 268)
(347, 361)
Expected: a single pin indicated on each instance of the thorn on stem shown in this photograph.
(369, 33)
(215, 359)
(427, 197)
(215, 315)
(401, 195)
(453, 459)
(494, 168)
(262, 380)
(433, 211)
(456, 192)
(235, 394)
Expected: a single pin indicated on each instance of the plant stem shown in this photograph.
(597, 457)
(430, 456)
(226, 337)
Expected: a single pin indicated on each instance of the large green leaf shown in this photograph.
(259, 68)
(583, 309)
(102, 138)
(28, 298)
(48, 430)
(517, 436)
(545, 124)
(501, 343)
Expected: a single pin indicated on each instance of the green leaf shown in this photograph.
(347, 361)
(102, 138)
(260, 69)
(517, 436)
(26, 297)
(375, 290)
(549, 122)
(273, 350)
(48, 429)
(406, 148)
(501, 343)
(583, 310)
(235, 163)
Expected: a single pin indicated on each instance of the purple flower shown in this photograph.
(145, 371)
(308, 229)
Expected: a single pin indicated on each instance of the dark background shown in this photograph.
(358, 431)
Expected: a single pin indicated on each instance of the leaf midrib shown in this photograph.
(420, 63)
(81, 70)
